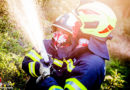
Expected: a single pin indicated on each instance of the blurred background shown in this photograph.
(13, 46)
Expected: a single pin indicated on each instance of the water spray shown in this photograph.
(26, 14)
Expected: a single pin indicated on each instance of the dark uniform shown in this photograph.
(72, 68)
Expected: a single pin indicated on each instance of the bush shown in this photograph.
(11, 56)
(113, 81)
(116, 74)
(12, 50)
(10, 67)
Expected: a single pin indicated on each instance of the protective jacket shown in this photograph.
(72, 68)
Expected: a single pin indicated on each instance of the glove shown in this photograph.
(44, 71)
(44, 68)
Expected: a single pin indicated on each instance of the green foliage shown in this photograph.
(4, 26)
(10, 67)
(11, 57)
(115, 64)
(116, 74)
(113, 81)
(12, 50)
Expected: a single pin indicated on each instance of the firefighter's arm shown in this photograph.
(31, 63)
(71, 83)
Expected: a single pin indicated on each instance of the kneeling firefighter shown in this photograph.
(77, 51)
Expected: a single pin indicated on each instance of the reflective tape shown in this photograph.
(74, 84)
(31, 67)
(69, 87)
(107, 29)
(70, 65)
(54, 87)
(58, 62)
(34, 55)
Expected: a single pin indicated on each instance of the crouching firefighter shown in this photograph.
(77, 51)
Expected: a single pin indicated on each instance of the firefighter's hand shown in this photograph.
(44, 69)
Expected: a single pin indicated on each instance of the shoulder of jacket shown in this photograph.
(89, 55)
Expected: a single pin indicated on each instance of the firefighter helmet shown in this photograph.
(65, 22)
(96, 19)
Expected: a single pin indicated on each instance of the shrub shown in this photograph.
(116, 74)
(12, 50)
(113, 81)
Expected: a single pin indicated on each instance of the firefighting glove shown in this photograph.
(44, 71)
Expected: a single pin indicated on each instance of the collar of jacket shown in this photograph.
(98, 46)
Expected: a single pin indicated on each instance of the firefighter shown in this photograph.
(77, 51)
